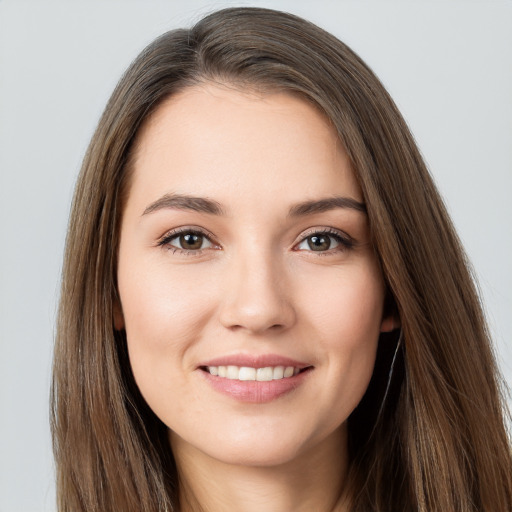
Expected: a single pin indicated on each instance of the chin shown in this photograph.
(270, 446)
(260, 454)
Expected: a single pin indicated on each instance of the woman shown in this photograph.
(264, 303)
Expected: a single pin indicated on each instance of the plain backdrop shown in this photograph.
(448, 65)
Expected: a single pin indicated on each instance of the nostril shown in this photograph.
(256, 310)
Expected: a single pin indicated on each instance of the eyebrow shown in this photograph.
(184, 202)
(204, 205)
(323, 205)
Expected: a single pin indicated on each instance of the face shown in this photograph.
(250, 294)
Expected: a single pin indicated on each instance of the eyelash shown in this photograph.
(166, 240)
(345, 242)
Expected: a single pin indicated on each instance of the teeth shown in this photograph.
(278, 372)
(264, 374)
(288, 371)
(245, 373)
(260, 374)
(232, 372)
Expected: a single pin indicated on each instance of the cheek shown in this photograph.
(164, 314)
(345, 317)
(157, 299)
(346, 306)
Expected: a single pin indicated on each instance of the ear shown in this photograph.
(390, 317)
(389, 323)
(118, 316)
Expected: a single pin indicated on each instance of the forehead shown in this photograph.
(214, 139)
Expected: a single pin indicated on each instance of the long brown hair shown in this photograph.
(430, 436)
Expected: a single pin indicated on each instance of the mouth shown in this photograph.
(248, 373)
(255, 379)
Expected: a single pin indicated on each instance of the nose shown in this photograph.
(256, 296)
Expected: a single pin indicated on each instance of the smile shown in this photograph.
(246, 373)
(254, 379)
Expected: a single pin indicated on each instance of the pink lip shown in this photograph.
(254, 392)
(253, 361)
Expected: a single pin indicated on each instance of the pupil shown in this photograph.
(191, 241)
(319, 243)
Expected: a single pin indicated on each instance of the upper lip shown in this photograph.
(254, 361)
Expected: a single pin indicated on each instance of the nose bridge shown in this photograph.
(256, 297)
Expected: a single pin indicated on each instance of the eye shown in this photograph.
(187, 241)
(323, 241)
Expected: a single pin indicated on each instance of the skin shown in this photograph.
(254, 287)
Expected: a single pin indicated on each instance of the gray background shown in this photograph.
(447, 63)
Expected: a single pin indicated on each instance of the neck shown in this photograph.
(314, 480)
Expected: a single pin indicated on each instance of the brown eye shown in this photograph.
(188, 241)
(191, 241)
(319, 242)
(325, 242)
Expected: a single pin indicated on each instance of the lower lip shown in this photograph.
(255, 392)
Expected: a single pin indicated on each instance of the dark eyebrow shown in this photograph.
(323, 205)
(184, 202)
